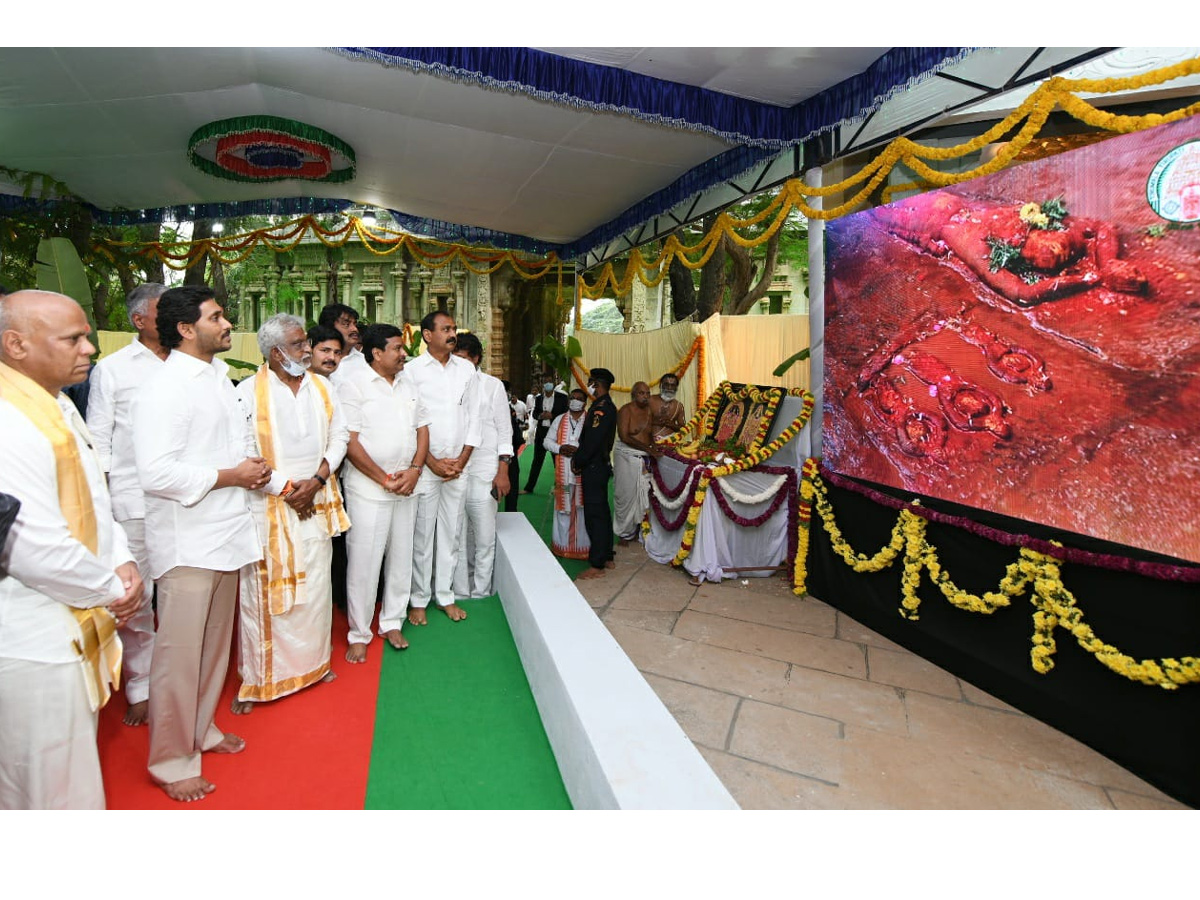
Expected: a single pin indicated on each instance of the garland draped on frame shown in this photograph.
(755, 459)
(1033, 113)
(1035, 573)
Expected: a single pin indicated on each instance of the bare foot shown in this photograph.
(589, 574)
(526, 492)
(356, 653)
(455, 612)
(329, 676)
(416, 616)
(189, 789)
(231, 743)
(241, 707)
(696, 580)
(624, 542)
(396, 639)
(610, 564)
(137, 713)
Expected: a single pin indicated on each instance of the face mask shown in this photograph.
(668, 395)
(591, 389)
(547, 387)
(293, 368)
(575, 405)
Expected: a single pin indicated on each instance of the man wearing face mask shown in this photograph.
(666, 412)
(570, 537)
(284, 599)
(549, 405)
(591, 464)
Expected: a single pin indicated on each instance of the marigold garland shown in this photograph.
(1033, 113)
(1054, 605)
(755, 457)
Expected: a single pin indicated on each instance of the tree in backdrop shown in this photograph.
(735, 278)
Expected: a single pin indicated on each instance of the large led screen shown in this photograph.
(1029, 342)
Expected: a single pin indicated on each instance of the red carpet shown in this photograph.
(311, 750)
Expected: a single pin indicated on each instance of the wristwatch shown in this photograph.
(506, 458)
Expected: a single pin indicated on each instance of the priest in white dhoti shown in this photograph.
(285, 599)
(569, 538)
(631, 482)
(67, 578)
(486, 475)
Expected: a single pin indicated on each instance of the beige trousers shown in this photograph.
(191, 659)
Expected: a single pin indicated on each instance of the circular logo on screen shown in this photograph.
(1173, 188)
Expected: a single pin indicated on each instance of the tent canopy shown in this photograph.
(560, 149)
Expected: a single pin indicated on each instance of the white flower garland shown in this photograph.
(685, 495)
(751, 499)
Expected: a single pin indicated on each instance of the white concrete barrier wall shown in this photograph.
(616, 745)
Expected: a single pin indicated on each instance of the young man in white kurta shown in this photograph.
(304, 433)
(447, 386)
(197, 463)
(48, 756)
(388, 428)
(116, 381)
(486, 474)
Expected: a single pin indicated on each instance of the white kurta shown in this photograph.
(115, 383)
(569, 537)
(48, 756)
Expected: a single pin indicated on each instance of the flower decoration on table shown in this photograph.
(1034, 572)
(685, 446)
(270, 148)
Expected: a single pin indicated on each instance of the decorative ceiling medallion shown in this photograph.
(268, 148)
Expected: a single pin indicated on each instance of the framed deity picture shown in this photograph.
(746, 414)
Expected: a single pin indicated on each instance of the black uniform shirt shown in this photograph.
(599, 431)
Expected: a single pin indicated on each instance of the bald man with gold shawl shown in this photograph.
(67, 577)
(286, 598)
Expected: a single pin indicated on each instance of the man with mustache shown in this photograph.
(447, 387)
(300, 430)
(197, 464)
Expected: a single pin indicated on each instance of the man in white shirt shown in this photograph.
(345, 320)
(116, 381)
(328, 348)
(197, 462)
(486, 475)
(64, 560)
(389, 439)
(284, 600)
(447, 387)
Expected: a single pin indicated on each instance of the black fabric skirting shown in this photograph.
(1152, 732)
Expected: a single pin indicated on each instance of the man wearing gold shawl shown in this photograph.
(286, 598)
(67, 578)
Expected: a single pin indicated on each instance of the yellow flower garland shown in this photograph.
(1054, 606)
(1033, 113)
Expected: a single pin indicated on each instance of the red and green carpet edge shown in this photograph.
(449, 723)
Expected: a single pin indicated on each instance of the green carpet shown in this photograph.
(456, 726)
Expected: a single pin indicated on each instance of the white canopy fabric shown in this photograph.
(541, 149)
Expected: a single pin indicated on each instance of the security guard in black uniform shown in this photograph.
(592, 463)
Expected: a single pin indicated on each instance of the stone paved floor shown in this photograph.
(797, 706)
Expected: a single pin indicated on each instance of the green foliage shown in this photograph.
(1003, 255)
(604, 317)
(60, 270)
(240, 364)
(556, 355)
(790, 361)
(1055, 210)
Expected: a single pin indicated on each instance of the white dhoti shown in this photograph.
(435, 538)
(280, 654)
(48, 756)
(382, 534)
(476, 540)
(137, 632)
(631, 490)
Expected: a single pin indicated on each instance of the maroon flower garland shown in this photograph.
(787, 491)
(688, 483)
(1159, 571)
(683, 484)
